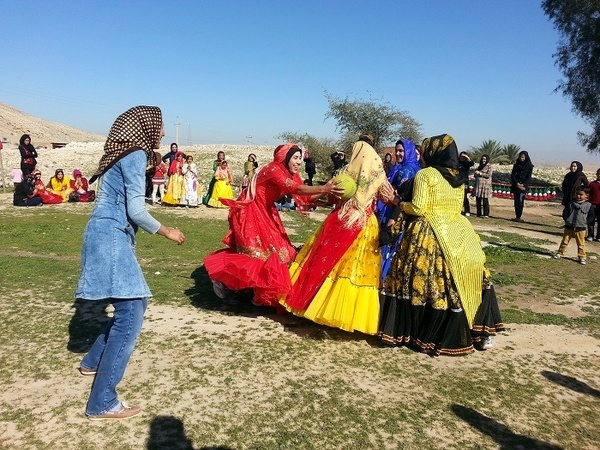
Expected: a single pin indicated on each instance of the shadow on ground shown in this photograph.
(572, 383)
(168, 432)
(501, 434)
(88, 321)
(201, 296)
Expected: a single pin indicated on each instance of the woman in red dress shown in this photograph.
(259, 250)
(81, 190)
(48, 197)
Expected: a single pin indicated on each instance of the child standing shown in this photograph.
(577, 215)
(595, 201)
(159, 179)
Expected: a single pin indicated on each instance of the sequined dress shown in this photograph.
(259, 250)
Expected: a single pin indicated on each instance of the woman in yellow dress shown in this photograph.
(60, 185)
(335, 276)
(222, 187)
(175, 194)
(437, 296)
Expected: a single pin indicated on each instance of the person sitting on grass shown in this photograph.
(60, 185)
(81, 190)
(24, 194)
(577, 214)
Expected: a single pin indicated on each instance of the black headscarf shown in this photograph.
(481, 165)
(572, 181)
(441, 153)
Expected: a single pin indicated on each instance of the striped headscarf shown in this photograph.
(137, 128)
(441, 153)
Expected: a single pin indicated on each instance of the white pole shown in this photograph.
(177, 131)
(2, 171)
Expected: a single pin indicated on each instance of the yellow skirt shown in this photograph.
(221, 189)
(349, 296)
(175, 190)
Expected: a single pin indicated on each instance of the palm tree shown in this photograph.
(491, 148)
(511, 151)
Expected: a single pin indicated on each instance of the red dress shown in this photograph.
(48, 198)
(259, 249)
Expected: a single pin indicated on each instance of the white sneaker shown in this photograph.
(468, 214)
(219, 289)
(486, 343)
(557, 256)
(582, 261)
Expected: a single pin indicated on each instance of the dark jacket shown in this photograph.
(23, 191)
(310, 166)
(521, 173)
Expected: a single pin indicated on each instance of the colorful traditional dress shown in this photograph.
(222, 189)
(399, 174)
(250, 167)
(432, 298)
(80, 187)
(61, 186)
(48, 197)
(190, 176)
(259, 250)
(336, 274)
(175, 194)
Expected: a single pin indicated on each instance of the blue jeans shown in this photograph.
(111, 352)
(519, 203)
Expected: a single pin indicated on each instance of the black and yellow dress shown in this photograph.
(437, 296)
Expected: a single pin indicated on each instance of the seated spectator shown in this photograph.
(24, 194)
(48, 197)
(285, 203)
(60, 185)
(80, 187)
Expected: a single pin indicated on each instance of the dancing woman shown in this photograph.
(259, 250)
(437, 296)
(336, 274)
(109, 267)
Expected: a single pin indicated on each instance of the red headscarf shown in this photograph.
(173, 168)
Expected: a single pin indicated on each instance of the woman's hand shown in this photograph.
(172, 234)
(333, 189)
(176, 235)
(387, 193)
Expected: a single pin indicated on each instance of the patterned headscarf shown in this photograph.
(441, 153)
(137, 128)
(366, 168)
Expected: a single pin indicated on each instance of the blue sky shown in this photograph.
(225, 70)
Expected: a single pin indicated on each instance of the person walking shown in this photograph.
(109, 268)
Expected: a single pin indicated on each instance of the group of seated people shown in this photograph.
(32, 191)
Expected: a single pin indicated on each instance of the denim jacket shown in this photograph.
(109, 268)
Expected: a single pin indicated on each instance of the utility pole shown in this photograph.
(177, 131)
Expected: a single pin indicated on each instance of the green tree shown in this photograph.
(491, 148)
(511, 151)
(578, 58)
(320, 150)
(380, 119)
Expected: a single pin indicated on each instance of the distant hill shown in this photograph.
(15, 123)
